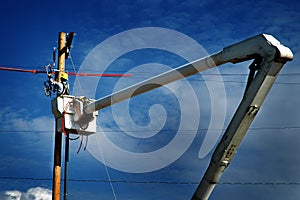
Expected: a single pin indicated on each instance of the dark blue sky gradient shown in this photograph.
(29, 30)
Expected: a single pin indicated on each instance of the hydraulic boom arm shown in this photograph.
(272, 56)
(269, 57)
(265, 46)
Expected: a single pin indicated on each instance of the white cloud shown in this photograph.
(37, 193)
(23, 120)
(12, 195)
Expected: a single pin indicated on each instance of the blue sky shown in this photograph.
(266, 165)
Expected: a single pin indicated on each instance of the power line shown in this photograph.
(242, 82)
(143, 75)
(150, 181)
(259, 183)
(151, 72)
(163, 130)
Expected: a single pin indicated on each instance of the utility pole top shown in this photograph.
(61, 54)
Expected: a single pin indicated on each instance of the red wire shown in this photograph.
(18, 70)
(105, 75)
(70, 73)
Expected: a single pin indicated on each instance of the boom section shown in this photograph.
(272, 56)
(269, 57)
(265, 46)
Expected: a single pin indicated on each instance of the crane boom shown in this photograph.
(262, 45)
(272, 61)
(273, 56)
(154, 82)
(269, 57)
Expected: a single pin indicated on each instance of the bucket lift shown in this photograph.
(70, 116)
(269, 57)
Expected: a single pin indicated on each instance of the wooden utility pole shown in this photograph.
(58, 135)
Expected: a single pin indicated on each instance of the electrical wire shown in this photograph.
(27, 68)
(76, 77)
(75, 138)
(143, 75)
(272, 183)
(33, 71)
(163, 130)
(151, 72)
(107, 172)
(86, 140)
(80, 145)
